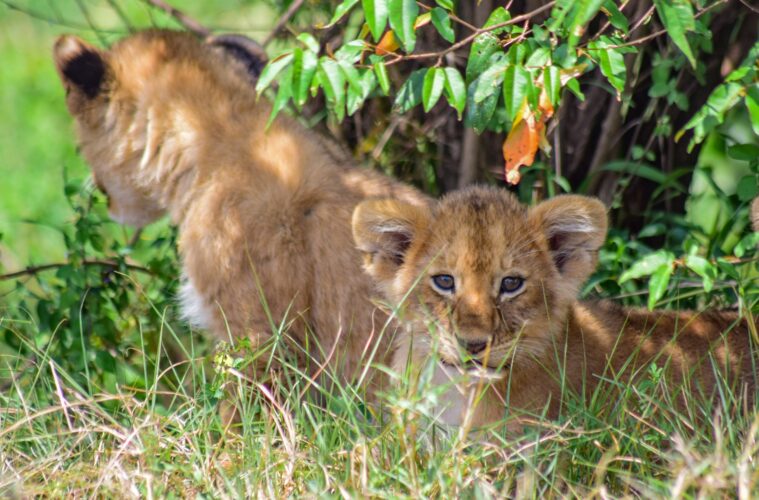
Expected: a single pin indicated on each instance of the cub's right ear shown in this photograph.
(247, 51)
(384, 230)
(80, 66)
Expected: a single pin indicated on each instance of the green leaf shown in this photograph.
(648, 265)
(491, 79)
(284, 92)
(375, 12)
(711, 114)
(442, 23)
(333, 83)
(309, 41)
(752, 104)
(616, 18)
(539, 58)
(434, 81)
(637, 169)
(367, 81)
(745, 152)
(657, 285)
(351, 51)
(271, 71)
(498, 16)
(747, 243)
(410, 93)
(611, 61)
(352, 76)
(703, 268)
(478, 115)
(552, 84)
(483, 47)
(402, 17)
(677, 17)
(582, 12)
(304, 69)
(381, 71)
(446, 4)
(747, 188)
(455, 89)
(516, 84)
(341, 10)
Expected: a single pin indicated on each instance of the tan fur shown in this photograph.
(541, 342)
(176, 127)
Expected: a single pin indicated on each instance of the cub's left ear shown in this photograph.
(247, 51)
(384, 230)
(80, 66)
(575, 228)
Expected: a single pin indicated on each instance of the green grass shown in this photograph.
(59, 438)
(104, 393)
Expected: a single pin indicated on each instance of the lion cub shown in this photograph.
(171, 124)
(494, 294)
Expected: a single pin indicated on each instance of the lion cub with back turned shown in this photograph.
(494, 294)
(171, 124)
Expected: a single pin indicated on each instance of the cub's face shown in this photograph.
(484, 278)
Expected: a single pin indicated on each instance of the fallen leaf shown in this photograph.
(388, 44)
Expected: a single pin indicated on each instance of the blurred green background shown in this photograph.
(37, 146)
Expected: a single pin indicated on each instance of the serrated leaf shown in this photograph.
(304, 69)
(677, 18)
(657, 285)
(375, 13)
(333, 84)
(410, 93)
(271, 71)
(442, 23)
(455, 90)
(483, 47)
(402, 17)
(648, 265)
(491, 79)
(434, 81)
(515, 87)
(381, 71)
(342, 9)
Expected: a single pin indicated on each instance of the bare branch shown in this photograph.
(33, 270)
(186, 21)
(289, 13)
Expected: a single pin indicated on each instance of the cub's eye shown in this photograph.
(511, 284)
(443, 282)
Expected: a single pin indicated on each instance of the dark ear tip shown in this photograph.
(242, 48)
(79, 64)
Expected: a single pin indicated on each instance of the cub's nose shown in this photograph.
(473, 346)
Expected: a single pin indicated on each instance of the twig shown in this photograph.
(186, 21)
(32, 270)
(289, 13)
(466, 41)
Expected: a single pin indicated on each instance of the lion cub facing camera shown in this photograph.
(171, 124)
(494, 294)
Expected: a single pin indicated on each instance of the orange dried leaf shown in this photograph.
(388, 44)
